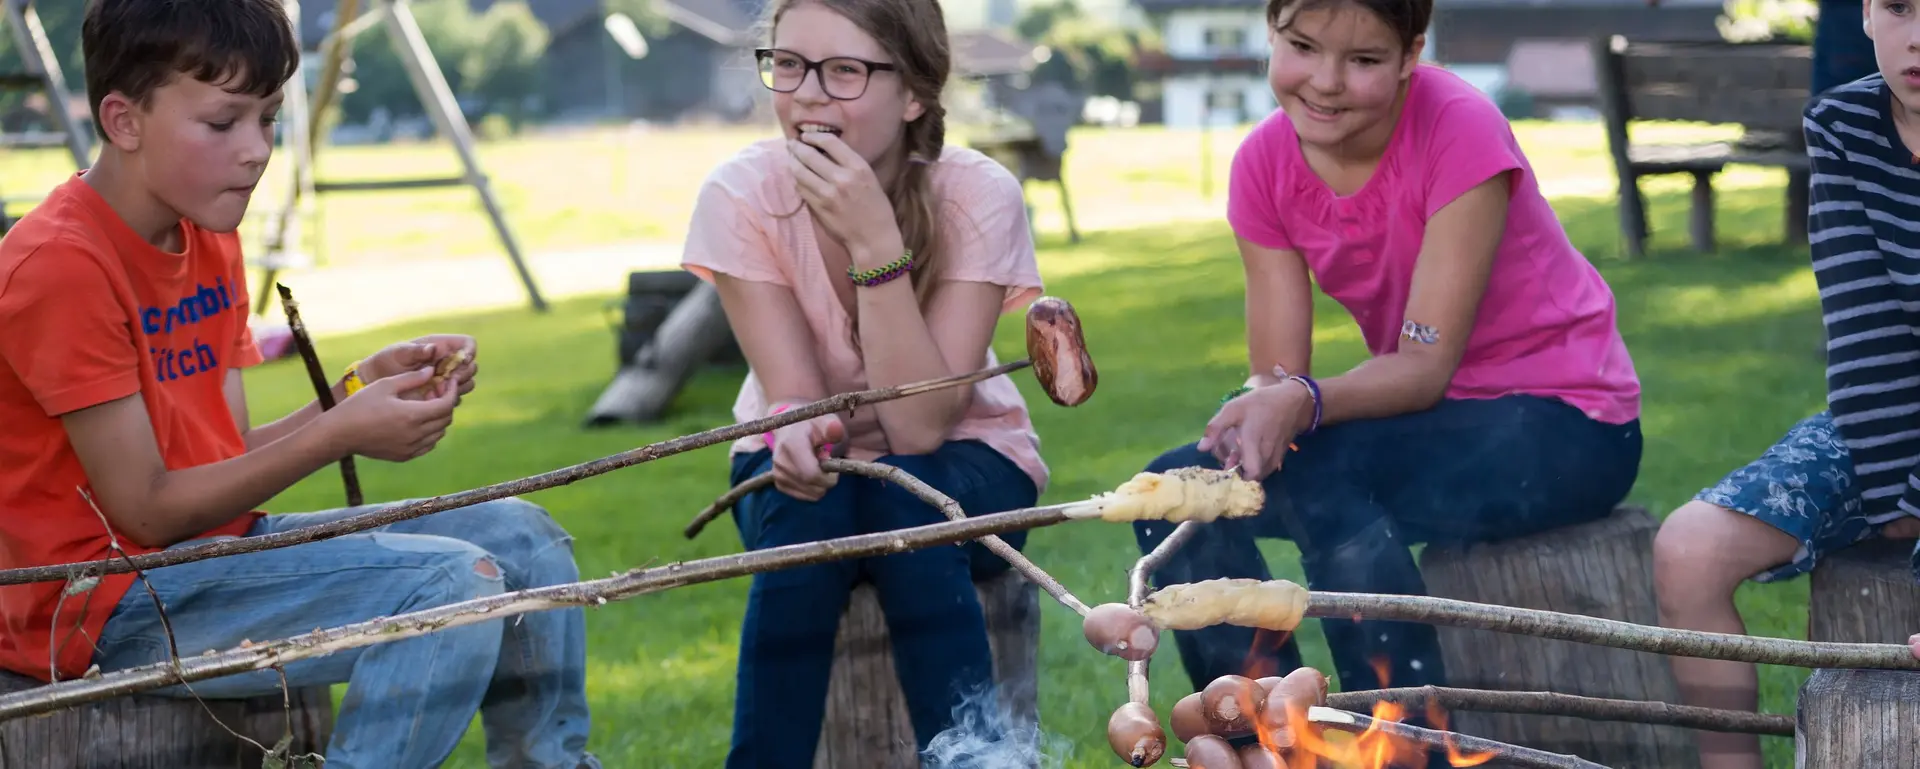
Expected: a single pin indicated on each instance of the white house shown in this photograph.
(1214, 67)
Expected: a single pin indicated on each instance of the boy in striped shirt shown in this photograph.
(1851, 472)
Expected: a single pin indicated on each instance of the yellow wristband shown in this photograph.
(353, 382)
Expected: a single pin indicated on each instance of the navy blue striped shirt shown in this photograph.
(1865, 232)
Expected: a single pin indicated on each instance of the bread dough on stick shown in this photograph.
(1272, 604)
(1182, 494)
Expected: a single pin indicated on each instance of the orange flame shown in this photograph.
(1311, 746)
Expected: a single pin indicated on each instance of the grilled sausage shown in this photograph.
(1058, 350)
(1120, 630)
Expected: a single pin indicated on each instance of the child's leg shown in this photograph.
(1766, 521)
(793, 615)
(535, 711)
(932, 609)
(408, 702)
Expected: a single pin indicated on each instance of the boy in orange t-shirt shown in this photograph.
(123, 333)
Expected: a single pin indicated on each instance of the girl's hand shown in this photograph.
(842, 191)
(797, 449)
(1254, 430)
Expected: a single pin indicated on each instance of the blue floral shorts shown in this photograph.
(1803, 486)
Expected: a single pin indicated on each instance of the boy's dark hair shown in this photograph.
(136, 46)
(1407, 18)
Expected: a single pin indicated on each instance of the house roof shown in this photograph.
(988, 52)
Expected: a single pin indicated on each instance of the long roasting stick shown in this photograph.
(321, 389)
(262, 655)
(1615, 633)
(928, 494)
(391, 513)
(1576, 706)
(1056, 351)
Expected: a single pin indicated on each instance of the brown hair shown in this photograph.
(914, 35)
(1407, 18)
(136, 46)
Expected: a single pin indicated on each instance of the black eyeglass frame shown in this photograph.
(760, 56)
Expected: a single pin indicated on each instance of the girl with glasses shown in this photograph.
(857, 250)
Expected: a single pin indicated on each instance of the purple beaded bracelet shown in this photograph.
(1313, 388)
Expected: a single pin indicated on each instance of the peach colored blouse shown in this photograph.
(740, 228)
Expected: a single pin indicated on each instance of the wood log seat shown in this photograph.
(1599, 569)
(1858, 718)
(866, 719)
(142, 731)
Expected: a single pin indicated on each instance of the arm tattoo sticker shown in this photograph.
(1421, 333)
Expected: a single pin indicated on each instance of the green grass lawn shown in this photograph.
(1728, 346)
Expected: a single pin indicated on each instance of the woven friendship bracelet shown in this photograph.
(883, 273)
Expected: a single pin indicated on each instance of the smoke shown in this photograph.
(985, 735)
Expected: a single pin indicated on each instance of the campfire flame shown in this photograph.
(1307, 745)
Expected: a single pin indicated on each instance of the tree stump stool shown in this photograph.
(150, 732)
(1858, 718)
(866, 720)
(1600, 569)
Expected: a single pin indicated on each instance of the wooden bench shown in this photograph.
(1033, 145)
(152, 732)
(1761, 86)
(1860, 718)
(1599, 569)
(866, 720)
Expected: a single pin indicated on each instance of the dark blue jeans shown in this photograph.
(933, 614)
(1357, 494)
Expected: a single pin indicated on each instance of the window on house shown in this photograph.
(1225, 40)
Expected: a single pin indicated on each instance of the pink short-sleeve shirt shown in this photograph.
(1546, 323)
(742, 227)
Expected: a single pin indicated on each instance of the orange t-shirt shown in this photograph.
(89, 313)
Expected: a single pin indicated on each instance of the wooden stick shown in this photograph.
(1436, 740)
(1443, 741)
(952, 511)
(1138, 583)
(1615, 633)
(261, 655)
(321, 389)
(1556, 704)
(391, 513)
(928, 494)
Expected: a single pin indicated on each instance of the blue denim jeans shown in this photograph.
(932, 611)
(409, 702)
(1357, 494)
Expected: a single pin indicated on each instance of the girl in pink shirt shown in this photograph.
(858, 251)
(1499, 399)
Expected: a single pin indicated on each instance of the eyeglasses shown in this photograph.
(841, 77)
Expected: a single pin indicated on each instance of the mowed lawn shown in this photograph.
(1728, 346)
